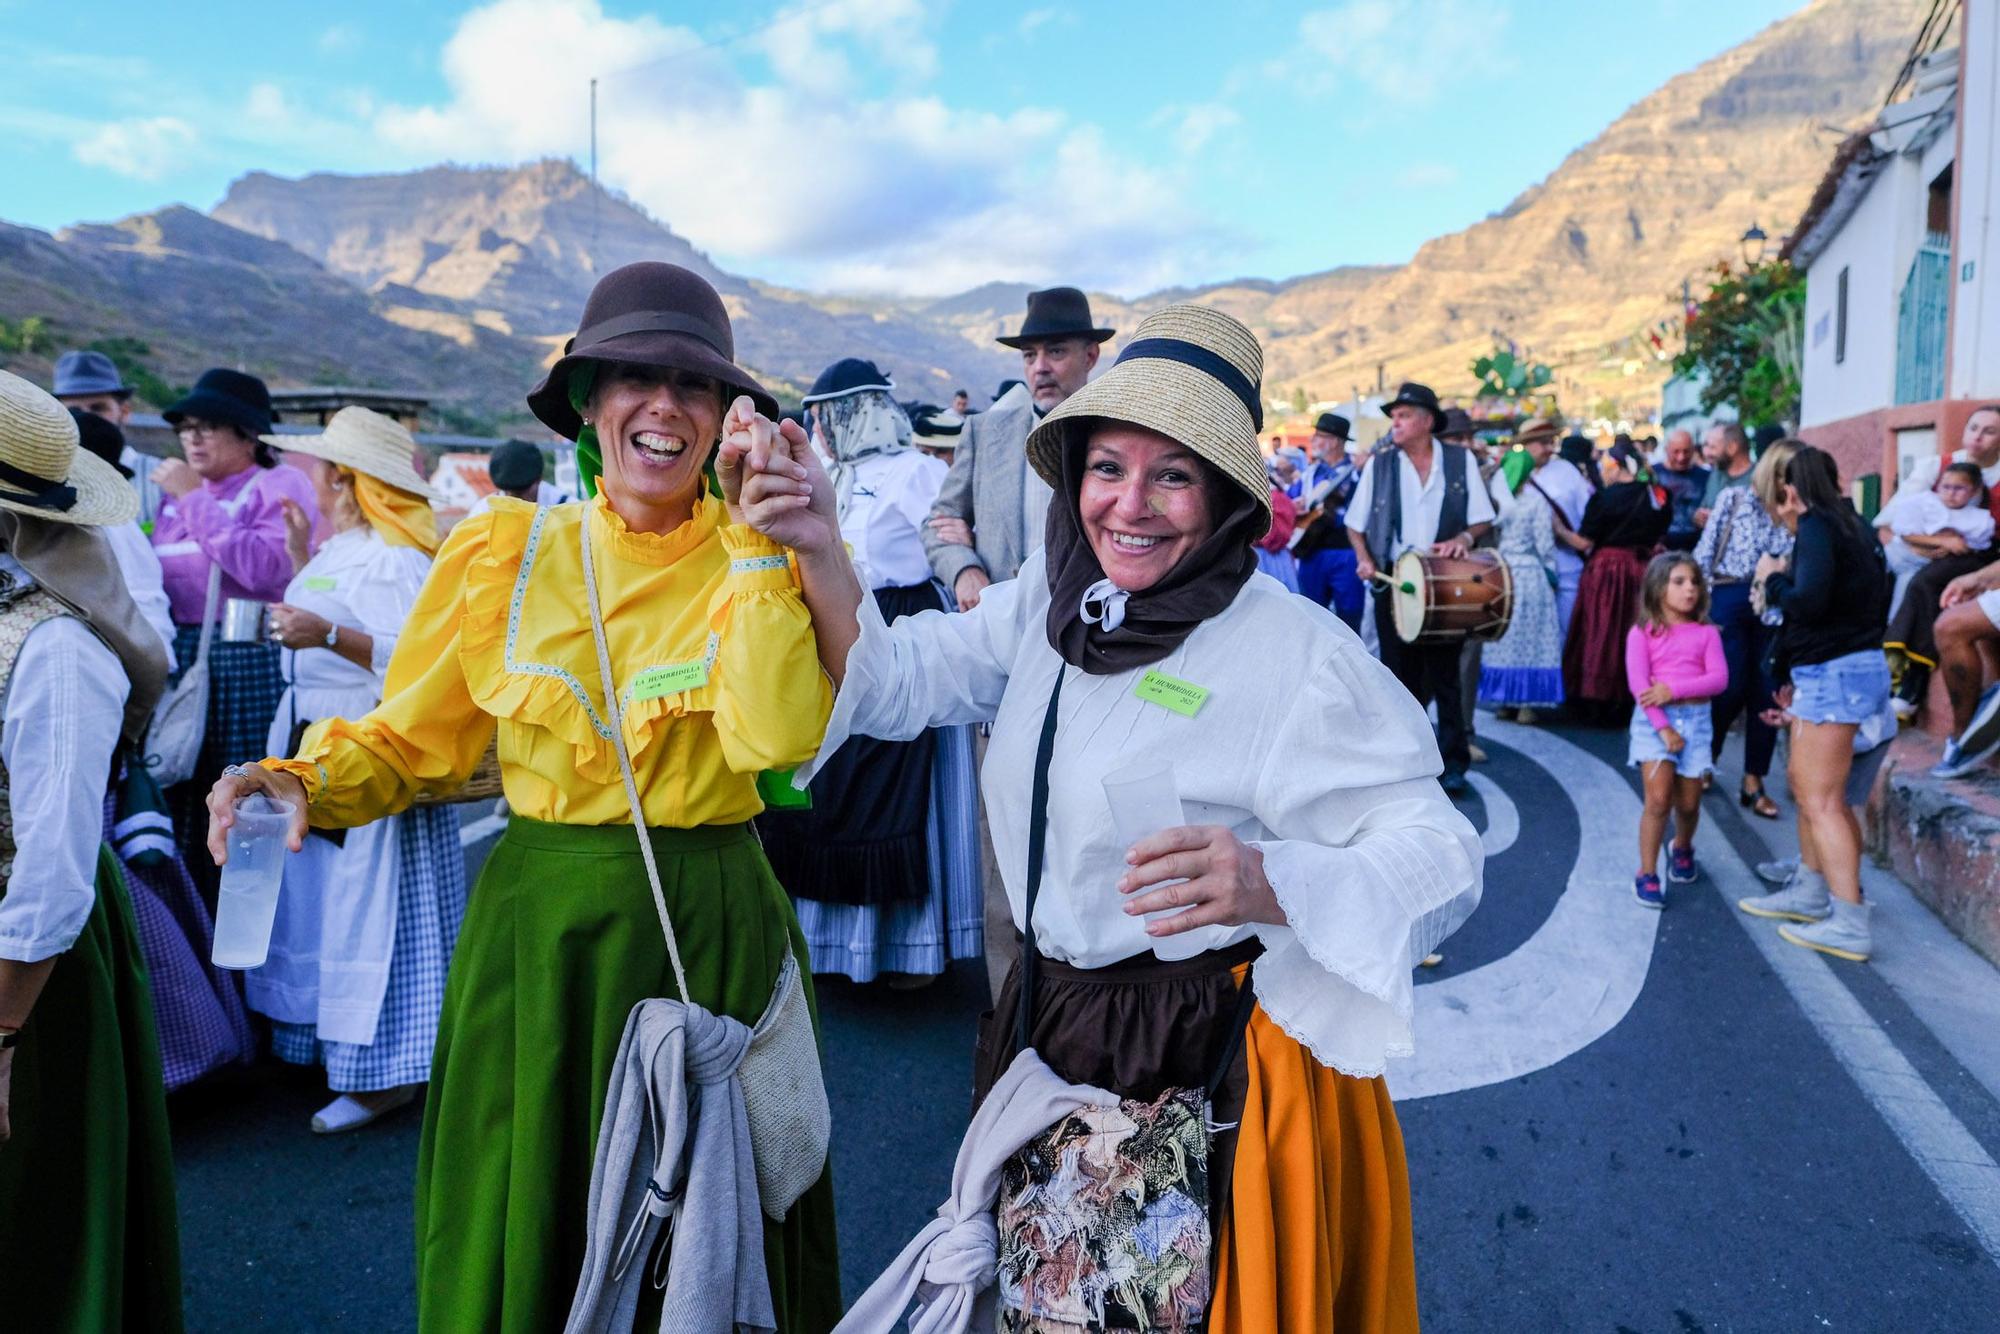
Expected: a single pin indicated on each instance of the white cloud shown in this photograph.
(804, 43)
(143, 148)
(1041, 18)
(1427, 176)
(1198, 124)
(881, 191)
(339, 39)
(1401, 49)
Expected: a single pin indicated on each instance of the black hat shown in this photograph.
(231, 397)
(849, 375)
(1770, 433)
(1058, 312)
(1332, 423)
(1457, 421)
(648, 314)
(100, 437)
(514, 466)
(1417, 395)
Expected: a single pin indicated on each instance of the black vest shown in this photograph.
(1385, 509)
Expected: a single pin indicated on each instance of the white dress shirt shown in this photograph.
(65, 705)
(1422, 500)
(140, 565)
(1334, 781)
(886, 512)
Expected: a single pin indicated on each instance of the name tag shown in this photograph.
(671, 680)
(321, 583)
(1183, 697)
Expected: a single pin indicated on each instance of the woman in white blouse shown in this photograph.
(1317, 843)
(365, 928)
(884, 865)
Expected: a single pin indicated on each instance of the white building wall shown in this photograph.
(1875, 246)
(1974, 369)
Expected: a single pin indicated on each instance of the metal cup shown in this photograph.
(243, 621)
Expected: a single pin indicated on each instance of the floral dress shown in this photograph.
(1523, 668)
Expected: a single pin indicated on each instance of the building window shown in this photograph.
(1840, 319)
(1937, 210)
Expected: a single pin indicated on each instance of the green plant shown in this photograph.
(1504, 375)
(27, 335)
(1747, 336)
(129, 354)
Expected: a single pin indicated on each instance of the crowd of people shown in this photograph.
(919, 646)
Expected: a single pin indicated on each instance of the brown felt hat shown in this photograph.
(1191, 373)
(648, 314)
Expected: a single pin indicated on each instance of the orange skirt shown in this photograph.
(1318, 1235)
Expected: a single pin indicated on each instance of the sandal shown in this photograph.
(1758, 802)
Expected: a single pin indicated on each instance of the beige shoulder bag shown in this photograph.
(784, 1093)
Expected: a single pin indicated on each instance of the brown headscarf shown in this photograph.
(74, 565)
(1158, 619)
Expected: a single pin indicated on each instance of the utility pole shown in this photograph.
(593, 176)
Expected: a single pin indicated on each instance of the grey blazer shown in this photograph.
(988, 488)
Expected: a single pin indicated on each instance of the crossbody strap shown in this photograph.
(1038, 837)
(617, 721)
(208, 613)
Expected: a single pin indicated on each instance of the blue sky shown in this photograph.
(919, 146)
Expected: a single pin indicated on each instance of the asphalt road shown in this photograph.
(1704, 1129)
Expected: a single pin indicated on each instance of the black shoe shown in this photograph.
(1454, 783)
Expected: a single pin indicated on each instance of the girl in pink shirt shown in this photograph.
(1673, 664)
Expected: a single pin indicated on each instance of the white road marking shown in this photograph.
(1572, 981)
(1946, 1152)
(1503, 819)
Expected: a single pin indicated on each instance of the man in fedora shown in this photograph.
(989, 516)
(90, 382)
(1419, 495)
(1326, 561)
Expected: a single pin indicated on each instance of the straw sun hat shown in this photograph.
(367, 442)
(42, 471)
(1190, 373)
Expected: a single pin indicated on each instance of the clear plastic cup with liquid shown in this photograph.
(248, 902)
(1144, 800)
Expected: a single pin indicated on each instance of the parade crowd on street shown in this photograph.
(862, 690)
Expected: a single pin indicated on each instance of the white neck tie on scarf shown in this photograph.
(1104, 604)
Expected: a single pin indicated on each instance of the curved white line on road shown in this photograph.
(1503, 819)
(1568, 984)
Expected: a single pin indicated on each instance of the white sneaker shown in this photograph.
(1844, 934)
(1779, 872)
(346, 1113)
(1801, 900)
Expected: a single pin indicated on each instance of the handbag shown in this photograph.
(173, 737)
(784, 1091)
(1104, 1218)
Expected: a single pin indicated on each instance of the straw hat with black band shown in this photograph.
(43, 472)
(1193, 375)
(379, 453)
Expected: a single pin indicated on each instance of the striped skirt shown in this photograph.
(430, 905)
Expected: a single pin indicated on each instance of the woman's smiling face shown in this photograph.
(1144, 502)
(657, 428)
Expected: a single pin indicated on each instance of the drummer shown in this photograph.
(1419, 495)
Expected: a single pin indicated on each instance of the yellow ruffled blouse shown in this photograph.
(711, 647)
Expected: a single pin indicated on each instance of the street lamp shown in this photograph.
(1752, 243)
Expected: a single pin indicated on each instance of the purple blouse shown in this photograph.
(236, 523)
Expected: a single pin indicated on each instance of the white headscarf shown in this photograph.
(858, 426)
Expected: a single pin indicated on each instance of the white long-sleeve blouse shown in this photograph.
(1305, 747)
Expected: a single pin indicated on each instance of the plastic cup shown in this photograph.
(1144, 800)
(248, 901)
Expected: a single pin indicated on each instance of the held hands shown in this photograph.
(1657, 695)
(1781, 716)
(294, 627)
(1222, 878)
(772, 481)
(231, 788)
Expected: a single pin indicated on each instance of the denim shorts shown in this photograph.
(1693, 721)
(1849, 689)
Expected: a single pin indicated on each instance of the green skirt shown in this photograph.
(560, 942)
(89, 1240)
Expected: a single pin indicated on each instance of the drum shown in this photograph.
(1450, 599)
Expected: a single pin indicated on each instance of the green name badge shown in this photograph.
(1183, 697)
(320, 583)
(657, 681)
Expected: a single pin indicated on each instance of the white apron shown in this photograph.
(335, 929)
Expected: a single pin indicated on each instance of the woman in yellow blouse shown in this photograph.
(718, 678)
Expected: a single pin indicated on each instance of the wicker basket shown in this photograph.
(483, 785)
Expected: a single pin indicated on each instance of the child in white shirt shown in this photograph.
(1912, 521)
